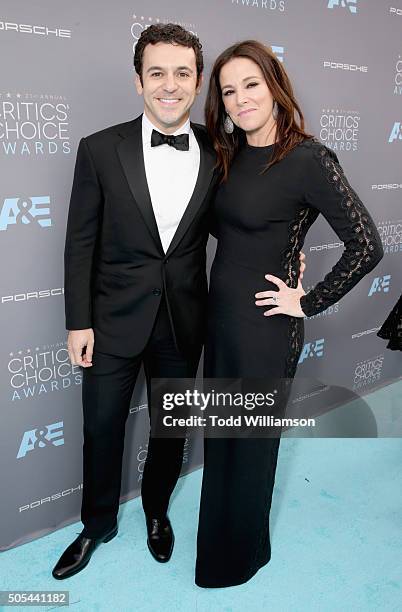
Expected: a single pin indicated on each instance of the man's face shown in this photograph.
(169, 84)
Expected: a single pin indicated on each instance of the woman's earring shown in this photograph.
(275, 110)
(228, 125)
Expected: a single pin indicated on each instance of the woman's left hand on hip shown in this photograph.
(285, 300)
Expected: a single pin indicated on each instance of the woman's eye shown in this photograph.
(252, 84)
(227, 92)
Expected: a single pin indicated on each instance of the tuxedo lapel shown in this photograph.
(205, 173)
(131, 156)
(132, 160)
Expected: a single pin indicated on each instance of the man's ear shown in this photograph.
(200, 82)
(138, 84)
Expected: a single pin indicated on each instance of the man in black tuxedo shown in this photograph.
(135, 280)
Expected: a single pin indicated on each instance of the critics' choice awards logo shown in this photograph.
(141, 458)
(269, 5)
(38, 30)
(142, 22)
(43, 370)
(391, 236)
(312, 350)
(396, 132)
(339, 129)
(49, 435)
(34, 124)
(367, 371)
(25, 211)
(380, 284)
(398, 77)
(186, 450)
(348, 4)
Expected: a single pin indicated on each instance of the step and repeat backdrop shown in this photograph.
(67, 72)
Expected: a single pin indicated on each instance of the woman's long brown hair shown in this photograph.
(289, 129)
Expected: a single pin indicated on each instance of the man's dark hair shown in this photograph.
(168, 33)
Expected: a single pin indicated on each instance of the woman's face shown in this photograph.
(246, 96)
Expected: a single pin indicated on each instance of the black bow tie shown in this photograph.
(179, 142)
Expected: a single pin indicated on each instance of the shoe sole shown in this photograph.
(76, 571)
(111, 536)
(157, 558)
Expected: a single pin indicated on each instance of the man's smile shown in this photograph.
(168, 101)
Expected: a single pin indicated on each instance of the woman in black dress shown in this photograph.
(276, 179)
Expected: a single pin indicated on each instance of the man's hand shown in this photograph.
(77, 340)
(302, 264)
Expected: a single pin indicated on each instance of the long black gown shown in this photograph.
(262, 221)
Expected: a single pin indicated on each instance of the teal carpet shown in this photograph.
(336, 526)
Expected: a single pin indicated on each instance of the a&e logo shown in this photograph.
(396, 132)
(25, 210)
(350, 4)
(312, 349)
(39, 438)
(279, 51)
(380, 284)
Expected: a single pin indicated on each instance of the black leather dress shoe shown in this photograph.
(160, 538)
(77, 555)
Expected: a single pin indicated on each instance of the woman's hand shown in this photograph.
(286, 300)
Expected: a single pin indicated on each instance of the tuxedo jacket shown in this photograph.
(115, 269)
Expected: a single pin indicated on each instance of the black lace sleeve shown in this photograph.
(328, 191)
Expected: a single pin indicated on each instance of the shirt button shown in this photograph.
(156, 291)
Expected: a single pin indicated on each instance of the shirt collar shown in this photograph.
(148, 126)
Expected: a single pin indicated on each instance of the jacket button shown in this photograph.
(156, 291)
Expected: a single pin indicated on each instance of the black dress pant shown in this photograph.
(106, 393)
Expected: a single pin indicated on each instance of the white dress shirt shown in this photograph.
(171, 177)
